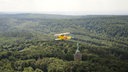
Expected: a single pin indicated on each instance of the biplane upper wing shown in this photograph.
(62, 34)
(57, 39)
(66, 33)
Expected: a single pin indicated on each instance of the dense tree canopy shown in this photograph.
(27, 43)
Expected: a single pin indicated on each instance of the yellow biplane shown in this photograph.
(63, 36)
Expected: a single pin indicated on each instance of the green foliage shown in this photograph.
(27, 43)
(29, 69)
(38, 70)
(57, 56)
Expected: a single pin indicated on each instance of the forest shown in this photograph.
(27, 43)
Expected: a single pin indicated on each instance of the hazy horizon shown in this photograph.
(66, 7)
(69, 13)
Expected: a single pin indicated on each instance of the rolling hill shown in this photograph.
(27, 43)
